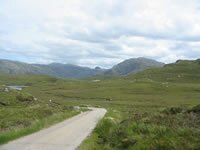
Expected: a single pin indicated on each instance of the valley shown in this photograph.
(153, 109)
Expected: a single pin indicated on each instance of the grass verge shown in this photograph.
(36, 126)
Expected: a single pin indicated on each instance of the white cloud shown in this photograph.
(99, 32)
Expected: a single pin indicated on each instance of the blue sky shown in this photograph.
(99, 33)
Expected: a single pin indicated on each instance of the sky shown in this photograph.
(99, 32)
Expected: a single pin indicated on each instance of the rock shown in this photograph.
(96, 80)
(6, 90)
(76, 108)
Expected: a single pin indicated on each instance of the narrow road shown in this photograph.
(67, 135)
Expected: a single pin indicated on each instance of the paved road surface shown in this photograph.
(66, 135)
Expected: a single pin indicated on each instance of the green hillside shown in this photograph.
(181, 71)
(154, 109)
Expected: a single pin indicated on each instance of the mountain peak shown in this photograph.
(97, 68)
(134, 65)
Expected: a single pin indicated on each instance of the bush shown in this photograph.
(173, 110)
(117, 136)
(24, 97)
(104, 130)
(123, 137)
(195, 109)
(127, 142)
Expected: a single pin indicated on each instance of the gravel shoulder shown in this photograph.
(67, 135)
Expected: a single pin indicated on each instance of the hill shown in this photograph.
(133, 65)
(181, 71)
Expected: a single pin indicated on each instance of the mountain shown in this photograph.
(54, 69)
(74, 71)
(133, 65)
(180, 71)
(15, 67)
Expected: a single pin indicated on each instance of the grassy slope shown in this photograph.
(143, 113)
(135, 104)
(181, 71)
(23, 115)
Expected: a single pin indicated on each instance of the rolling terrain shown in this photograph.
(153, 109)
(180, 71)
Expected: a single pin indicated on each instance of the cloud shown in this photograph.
(99, 33)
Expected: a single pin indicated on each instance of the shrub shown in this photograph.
(24, 97)
(173, 110)
(104, 130)
(195, 109)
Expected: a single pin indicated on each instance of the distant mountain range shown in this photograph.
(126, 67)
